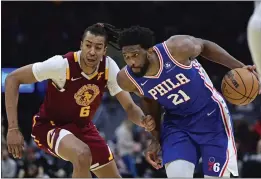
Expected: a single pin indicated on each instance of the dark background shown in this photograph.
(36, 31)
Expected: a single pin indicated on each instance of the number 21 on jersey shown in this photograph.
(179, 97)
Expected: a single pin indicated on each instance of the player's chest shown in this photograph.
(168, 84)
(79, 90)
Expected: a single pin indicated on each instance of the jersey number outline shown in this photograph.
(85, 111)
(179, 98)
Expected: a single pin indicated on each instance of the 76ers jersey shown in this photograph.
(181, 90)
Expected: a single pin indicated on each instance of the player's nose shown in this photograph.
(131, 62)
(92, 51)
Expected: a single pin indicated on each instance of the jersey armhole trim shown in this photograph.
(75, 56)
(173, 59)
(106, 69)
(67, 73)
(67, 70)
(160, 64)
(134, 82)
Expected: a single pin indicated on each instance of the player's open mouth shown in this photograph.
(135, 69)
(90, 61)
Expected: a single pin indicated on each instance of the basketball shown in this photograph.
(240, 86)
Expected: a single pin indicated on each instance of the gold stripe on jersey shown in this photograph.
(75, 56)
(106, 69)
(67, 73)
(106, 73)
(93, 75)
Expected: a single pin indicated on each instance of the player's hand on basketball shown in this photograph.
(15, 142)
(152, 154)
(148, 123)
(252, 68)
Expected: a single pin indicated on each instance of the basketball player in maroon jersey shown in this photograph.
(63, 127)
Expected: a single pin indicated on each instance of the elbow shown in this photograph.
(11, 79)
(130, 108)
(205, 47)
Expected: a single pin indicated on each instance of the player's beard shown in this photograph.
(143, 70)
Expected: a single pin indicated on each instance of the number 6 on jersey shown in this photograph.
(85, 111)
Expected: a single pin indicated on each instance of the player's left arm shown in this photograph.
(133, 111)
(184, 47)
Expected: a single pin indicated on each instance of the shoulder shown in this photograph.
(124, 81)
(70, 55)
(54, 63)
(179, 41)
(51, 68)
(183, 47)
(111, 64)
(183, 42)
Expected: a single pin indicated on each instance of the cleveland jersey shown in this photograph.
(72, 96)
(182, 90)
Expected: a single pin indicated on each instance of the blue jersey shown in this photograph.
(181, 90)
(197, 122)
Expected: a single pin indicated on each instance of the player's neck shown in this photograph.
(86, 69)
(154, 65)
(89, 70)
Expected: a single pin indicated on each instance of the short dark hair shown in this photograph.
(137, 35)
(96, 29)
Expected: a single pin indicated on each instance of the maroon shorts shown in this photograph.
(47, 137)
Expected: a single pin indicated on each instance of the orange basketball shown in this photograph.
(240, 86)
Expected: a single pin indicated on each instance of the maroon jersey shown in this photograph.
(79, 99)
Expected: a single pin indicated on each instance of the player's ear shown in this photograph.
(149, 52)
(105, 50)
(81, 45)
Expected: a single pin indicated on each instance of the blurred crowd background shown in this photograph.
(35, 31)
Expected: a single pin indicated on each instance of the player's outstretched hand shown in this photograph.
(148, 123)
(15, 142)
(152, 154)
(252, 68)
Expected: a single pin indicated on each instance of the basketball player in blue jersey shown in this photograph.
(196, 121)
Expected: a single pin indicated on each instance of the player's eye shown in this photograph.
(88, 45)
(135, 54)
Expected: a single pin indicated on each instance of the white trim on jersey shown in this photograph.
(133, 81)
(173, 59)
(160, 64)
(230, 163)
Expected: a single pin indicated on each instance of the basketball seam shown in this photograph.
(222, 89)
(250, 91)
(241, 80)
(234, 89)
(231, 98)
(253, 82)
(258, 85)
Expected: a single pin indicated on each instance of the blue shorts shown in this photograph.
(207, 134)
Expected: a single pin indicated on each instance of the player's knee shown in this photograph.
(179, 168)
(83, 157)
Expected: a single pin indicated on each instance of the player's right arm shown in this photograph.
(125, 83)
(149, 106)
(152, 107)
(25, 75)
